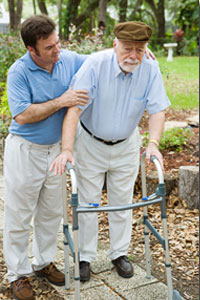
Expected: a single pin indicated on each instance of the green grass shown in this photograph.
(181, 79)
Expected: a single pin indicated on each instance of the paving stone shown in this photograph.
(122, 284)
(172, 124)
(157, 291)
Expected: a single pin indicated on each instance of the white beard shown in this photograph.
(129, 68)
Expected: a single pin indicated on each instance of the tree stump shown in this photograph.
(189, 185)
(152, 182)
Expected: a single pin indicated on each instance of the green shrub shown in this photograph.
(89, 44)
(4, 124)
(172, 139)
(11, 48)
(4, 107)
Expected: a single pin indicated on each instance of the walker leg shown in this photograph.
(147, 246)
(167, 257)
(65, 221)
(66, 259)
(146, 231)
(74, 203)
(76, 269)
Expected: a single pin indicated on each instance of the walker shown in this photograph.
(157, 197)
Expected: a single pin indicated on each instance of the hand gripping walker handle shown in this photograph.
(155, 160)
(69, 166)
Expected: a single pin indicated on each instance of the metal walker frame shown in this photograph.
(157, 197)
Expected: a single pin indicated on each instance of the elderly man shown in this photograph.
(121, 83)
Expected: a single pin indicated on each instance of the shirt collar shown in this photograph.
(32, 65)
(117, 69)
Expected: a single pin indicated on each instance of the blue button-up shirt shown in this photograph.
(29, 84)
(117, 100)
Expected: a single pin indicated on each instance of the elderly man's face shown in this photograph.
(129, 54)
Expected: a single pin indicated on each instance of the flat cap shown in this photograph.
(133, 31)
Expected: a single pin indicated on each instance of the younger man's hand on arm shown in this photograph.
(149, 53)
(41, 111)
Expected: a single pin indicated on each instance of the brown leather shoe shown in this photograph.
(84, 268)
(52, 274)
(123, 266)
(21, 289)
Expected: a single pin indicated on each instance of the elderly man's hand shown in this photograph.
(59, 164)
(152, 149)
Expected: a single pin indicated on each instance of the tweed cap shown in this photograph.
(133, 31)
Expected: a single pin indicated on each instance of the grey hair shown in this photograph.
(116, 41)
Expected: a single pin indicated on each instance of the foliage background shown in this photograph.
(79, 25)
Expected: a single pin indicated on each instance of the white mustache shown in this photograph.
(131, 61)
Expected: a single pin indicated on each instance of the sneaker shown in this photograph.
(21, 289)
(52, 274)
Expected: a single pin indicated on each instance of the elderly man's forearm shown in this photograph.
(69, 128)
(156, 125)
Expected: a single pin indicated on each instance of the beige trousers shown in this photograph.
(121, 163)
(30, 191)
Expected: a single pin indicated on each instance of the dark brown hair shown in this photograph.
(35, 28)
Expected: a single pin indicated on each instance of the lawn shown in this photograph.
(181, 79)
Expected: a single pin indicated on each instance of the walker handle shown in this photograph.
(70, 169)
(153, 157)
(155, 160)
(69, 166)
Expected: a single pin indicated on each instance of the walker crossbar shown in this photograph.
(83, 209)
(154, 231)
(69, 241)
(157, 197)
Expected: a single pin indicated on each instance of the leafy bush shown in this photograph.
(11, 48)
(4, 124)
(172, 139)
(4, 107)
(89, 44)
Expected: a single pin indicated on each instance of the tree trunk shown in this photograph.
(70, 16)
(59, 9)
(91, 6)
(102, 14)
(137, 6)
(19, 13)
(161, 20)
(159, 12)
(122, 10)
(34, 7)
(15, 12)
(11, 6)
(42, 7)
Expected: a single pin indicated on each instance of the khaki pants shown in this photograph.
(30, 191)
(121, 163)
